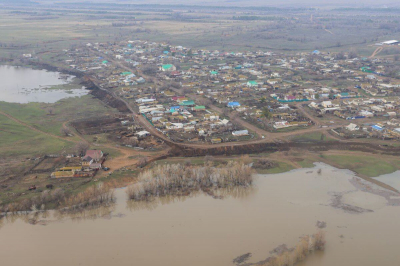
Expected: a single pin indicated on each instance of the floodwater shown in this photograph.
(392, 179)
(200, 230)
(24, 85)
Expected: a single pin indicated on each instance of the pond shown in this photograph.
(362, 224)
(24, 85)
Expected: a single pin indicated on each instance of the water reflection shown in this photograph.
(50, 216)
(237, 192)
(93, 213)
(24, 85)
(223, 193)
(155, 202)
(108, 210)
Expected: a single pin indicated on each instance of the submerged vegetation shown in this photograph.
(285, 256)
(178, 179)
(49, 199)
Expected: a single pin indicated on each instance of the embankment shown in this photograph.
(104, 96)
(273, 147)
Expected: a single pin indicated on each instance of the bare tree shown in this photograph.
(352, 54)
(245, 159)
(50, 111)
(188, 163)
(208, 159)
(81, 147)
(150, 70)
(65, 131)
(142, 161)
(132, 141)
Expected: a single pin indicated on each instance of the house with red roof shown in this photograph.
(93, 159)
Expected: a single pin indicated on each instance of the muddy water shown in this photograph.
(200, 230)
(24, 85)
(392, 179)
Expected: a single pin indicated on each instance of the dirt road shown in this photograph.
(377, 51)
(35, 129)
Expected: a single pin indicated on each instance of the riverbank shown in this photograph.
(279, 162)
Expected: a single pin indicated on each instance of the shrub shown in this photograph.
(178, 179)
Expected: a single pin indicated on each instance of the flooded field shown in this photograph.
(392, 179)
(23, 85)
(361, 226)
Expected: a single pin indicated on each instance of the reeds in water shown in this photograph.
(92, 196)
(178, 179)
(290, 257)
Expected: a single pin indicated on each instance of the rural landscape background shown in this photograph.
(125, 113)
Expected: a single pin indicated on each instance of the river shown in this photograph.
(24, 85)
(199, 230)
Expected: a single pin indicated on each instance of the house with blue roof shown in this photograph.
(377, 128)
(233, 104)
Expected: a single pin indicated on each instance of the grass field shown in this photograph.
(17, 140)
(24, 31)
(37, 114)
(280, 168)
(368, 165)
(312, 136)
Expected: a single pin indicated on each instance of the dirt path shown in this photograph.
(115, 163)
(35, 129)
(377, 51)
(126, 159)
(306, 114)
(68, 127)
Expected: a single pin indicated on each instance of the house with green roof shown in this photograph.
(252, 83)
(199, 108)
(187, 103)
(168, 67)
(126, 73)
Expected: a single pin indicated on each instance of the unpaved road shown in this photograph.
(377, 51)
(35, 129)
(124, 160)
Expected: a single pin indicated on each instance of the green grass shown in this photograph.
(312, 136)
(370, 166)
(280, 168)
(17, 140)
(306, 163)
(289, 129)
(37, 114)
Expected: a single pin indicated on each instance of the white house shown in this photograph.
(327, 104)
(352, 127)
(240, 133)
